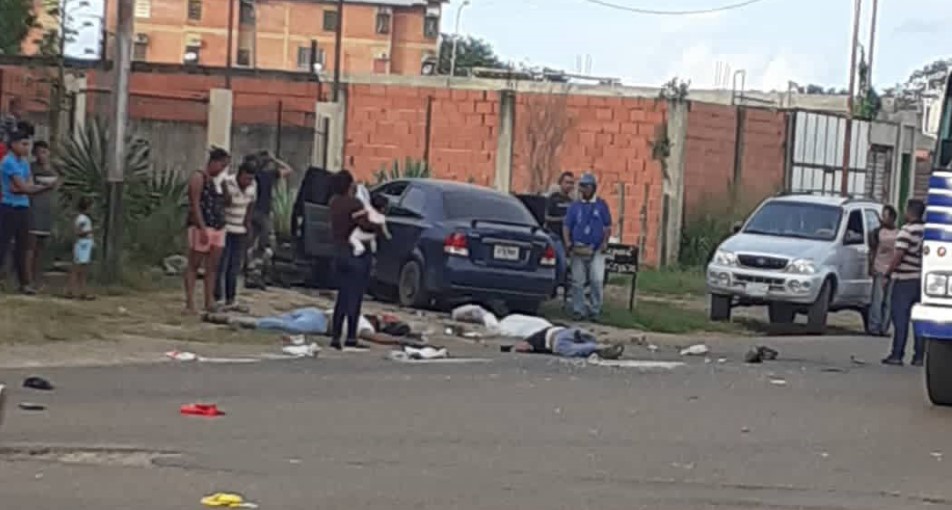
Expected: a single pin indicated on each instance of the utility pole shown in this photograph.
(338, 40)
(459, 15)
(872, 47)
(848, 140)
(231, 30)
(112, 234)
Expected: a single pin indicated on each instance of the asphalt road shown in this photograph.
(362, 432)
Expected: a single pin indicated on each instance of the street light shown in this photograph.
(459, 14)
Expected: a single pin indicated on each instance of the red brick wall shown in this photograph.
(612, 138)
(388, 123)
(710, 154)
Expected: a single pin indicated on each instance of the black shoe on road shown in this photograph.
(896, 362)
(917, 362)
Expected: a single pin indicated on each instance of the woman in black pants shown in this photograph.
(352, 271)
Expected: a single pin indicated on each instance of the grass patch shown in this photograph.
(666, 282)
(650, 316)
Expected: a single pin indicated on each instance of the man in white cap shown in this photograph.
(588, 225)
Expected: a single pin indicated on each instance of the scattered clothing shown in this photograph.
(37, 383)
(303, 321)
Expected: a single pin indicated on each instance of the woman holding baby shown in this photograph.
(351, 266)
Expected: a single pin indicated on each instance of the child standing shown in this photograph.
(82, 250)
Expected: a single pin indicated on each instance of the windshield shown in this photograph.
(792, 219)
(469, 205)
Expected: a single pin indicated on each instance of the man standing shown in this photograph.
(587, 230)
(881, 249)
(556, 206)
(17, 183)
(240, 197)
(270, 170)
(905, 271)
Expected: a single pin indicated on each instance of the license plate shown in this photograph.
(757, 289)
(503, 252)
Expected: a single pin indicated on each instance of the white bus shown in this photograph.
(932, 317)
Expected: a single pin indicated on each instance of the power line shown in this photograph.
(620, 7)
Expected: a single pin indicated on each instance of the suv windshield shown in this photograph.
(793, 219)
(468, 205)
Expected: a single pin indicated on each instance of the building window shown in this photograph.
(304, 57)
(193, 54)
(140, 48)
(143, 9)
(244, 57)
(431, 27)
(246, 13)
(331, 19)
(195, 10)
(383, 21)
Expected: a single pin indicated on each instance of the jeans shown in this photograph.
(353, 276)
(573, 343)
(591, 270)
(879, 307)
(15, 228)
(905, 294)
(229, 267)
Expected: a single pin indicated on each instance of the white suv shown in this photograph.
(797, 254)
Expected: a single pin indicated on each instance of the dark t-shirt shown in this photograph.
(555, 209)
(264, 180)
(538, 341)
(342, 211)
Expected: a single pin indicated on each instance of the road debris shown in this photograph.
(37, 383)
(227, 500)
(695, 350)
(204, 410)
(594, 359)
(31, 406)
(760, 353)
(302, 350)
(778, 382)
(856, 361)
(182, 356)
(937, 456)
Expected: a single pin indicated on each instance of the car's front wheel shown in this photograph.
(410, 289)
(939, 371)
(816, 315)
(720, 308)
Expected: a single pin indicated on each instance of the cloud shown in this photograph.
(922, 26)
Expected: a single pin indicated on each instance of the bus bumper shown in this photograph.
(932, 322)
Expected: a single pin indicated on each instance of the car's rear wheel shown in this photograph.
(720, 308)
(410, 289)
(817, 314)
(939, 372)
(781, 313)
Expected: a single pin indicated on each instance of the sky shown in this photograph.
(774, 41)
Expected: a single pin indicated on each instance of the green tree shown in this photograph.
(16, 20)
(929, 77)
(470, 52)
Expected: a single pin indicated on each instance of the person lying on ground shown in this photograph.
(568, 343)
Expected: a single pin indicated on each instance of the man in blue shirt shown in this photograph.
(588, 226)
(17, 184)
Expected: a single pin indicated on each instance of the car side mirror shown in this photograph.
(945, 153)
(735, 228)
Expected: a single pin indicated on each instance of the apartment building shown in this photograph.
(379, 36)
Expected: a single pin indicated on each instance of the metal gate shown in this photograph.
(816, 154)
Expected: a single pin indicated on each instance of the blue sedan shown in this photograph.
(454, 242)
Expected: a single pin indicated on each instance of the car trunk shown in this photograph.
(502, 245)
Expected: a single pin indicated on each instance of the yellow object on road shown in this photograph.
(226, 500)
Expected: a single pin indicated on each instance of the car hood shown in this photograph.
(789, 247)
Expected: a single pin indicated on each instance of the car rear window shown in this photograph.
(468, 205)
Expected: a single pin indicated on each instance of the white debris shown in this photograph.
(301, 350)
(778, 382)
(182, 355)
(695, 350)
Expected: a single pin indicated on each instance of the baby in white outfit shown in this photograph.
(359, 239)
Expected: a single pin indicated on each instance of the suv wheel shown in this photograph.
(720, 308)
(781, 313)
(816, 315)
(938, 375)
(410, 286)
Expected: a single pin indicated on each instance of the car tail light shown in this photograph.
(548, 257)
(456, 244)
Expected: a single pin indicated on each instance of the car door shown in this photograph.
(405, 222)
(855, 248)
(873, 222)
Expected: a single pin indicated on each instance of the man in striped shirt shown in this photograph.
(240, 192)
(905, 271)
